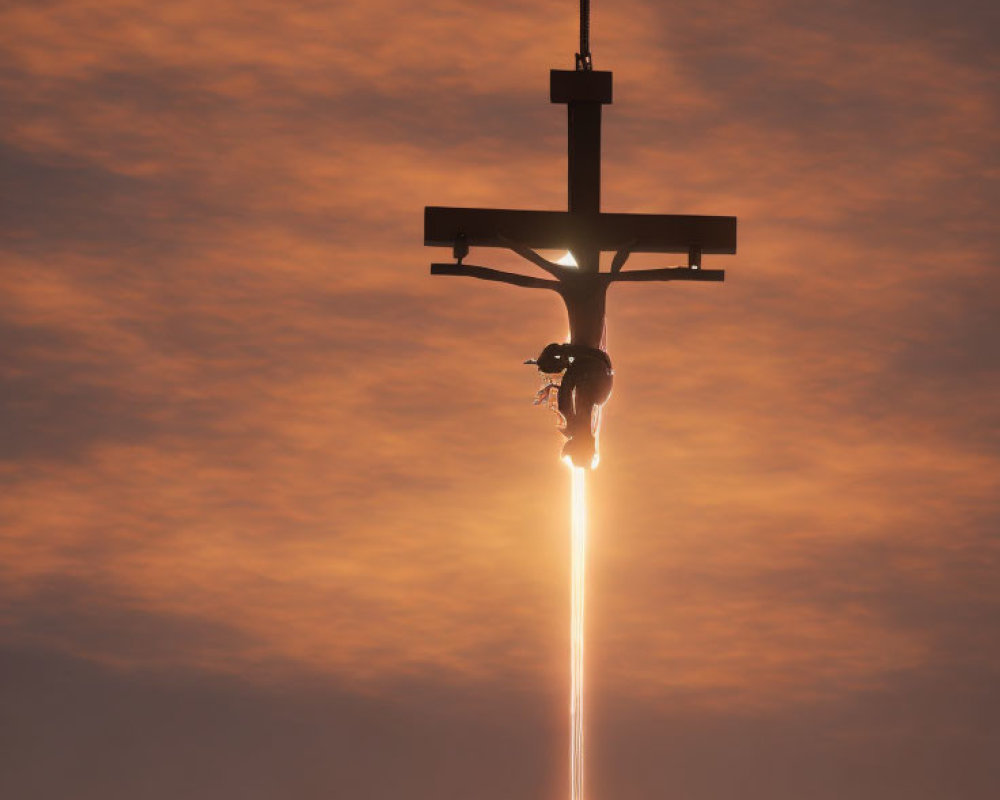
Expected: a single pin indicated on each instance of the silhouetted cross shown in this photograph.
(583, 229)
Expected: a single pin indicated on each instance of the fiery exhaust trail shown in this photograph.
(578, 571)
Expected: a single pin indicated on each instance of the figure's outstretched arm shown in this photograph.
(669, 274)
(621, 257)
(487, 274)
(530, 255)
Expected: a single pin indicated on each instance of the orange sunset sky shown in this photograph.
(278, 518)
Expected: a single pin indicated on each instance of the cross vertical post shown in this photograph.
(583, 92)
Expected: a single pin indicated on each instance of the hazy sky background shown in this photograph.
(278, 519)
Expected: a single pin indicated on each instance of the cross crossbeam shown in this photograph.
(563, 230)
(583, 229)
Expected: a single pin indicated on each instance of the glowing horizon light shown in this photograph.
(578, 547)
(568, 260)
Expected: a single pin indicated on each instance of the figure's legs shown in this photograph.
(590, 387)
(581, 450)
(568, 402)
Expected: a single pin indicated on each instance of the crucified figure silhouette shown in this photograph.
(586, 370)
(584, 387)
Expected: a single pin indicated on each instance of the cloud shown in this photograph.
(237, 409)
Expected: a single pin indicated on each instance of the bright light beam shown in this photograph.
(578, 571)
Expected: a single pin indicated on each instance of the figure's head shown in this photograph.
(552, 359)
